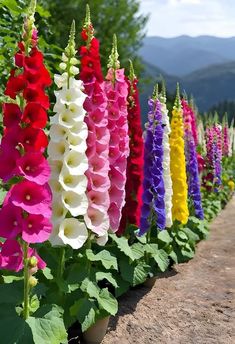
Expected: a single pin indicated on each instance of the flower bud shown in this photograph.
(33, 281)
(33, 262)
(63, 66)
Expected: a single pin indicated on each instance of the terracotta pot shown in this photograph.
(150, 282)
(96, 333)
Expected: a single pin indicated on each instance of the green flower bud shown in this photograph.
(33, 281)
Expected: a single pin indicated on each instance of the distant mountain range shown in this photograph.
(204, 66)
(183, 55)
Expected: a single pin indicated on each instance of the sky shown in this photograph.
(170, 18)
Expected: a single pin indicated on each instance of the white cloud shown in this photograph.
(170, 18)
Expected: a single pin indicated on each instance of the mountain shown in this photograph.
(209, 86)
(183, 55)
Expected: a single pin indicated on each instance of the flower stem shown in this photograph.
(26, 281)
(61, 263)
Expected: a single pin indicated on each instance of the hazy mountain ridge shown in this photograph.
(209, 86)
(184, 54)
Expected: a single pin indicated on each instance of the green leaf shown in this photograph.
(104, 256)
(12, 6)
(164, 236)
(151, 248)
(14, 330)
(108, 302)
(173, 256)
(47, 273)
(106, 275)
(122, 244)
(161, 258)
(12, 293)
(42, 11)
(77, 273)
(2, 195)
(90, 288)
(137, 250)
(134, 273)
(84, 310)
(47, 326)
(34, 303)
(123, 286)
(191, 235)
(183, 236)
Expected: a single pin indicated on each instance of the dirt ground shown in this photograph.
(193, 304)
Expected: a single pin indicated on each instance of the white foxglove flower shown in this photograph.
(58, 210)
(72, 182)
(102, 239)
(61, 80)
(166, 163)
(76, 162)
(57, 150)
(76, 204)
(58, 132)
(54, 239)
(73, 232)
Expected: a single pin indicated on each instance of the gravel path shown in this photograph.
(194, 304)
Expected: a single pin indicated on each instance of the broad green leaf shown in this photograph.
(13, 329)
(12, 293)
(84, 310)
(164, 236)
(47, 326)
(104, 256)
(77, 273)
(151, 248)
(122, 244)
(108, 302)
(137, 250)
(2, 195)
(34, 303)
(90, 288)
(191, 235)
(182, 236)
(134, 273)
(161, 258)
(106, 275)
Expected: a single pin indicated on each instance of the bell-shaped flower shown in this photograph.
(73, 233)
(56, 167)
(70, 182)
(76, 162)
(10, 221)
(56, 150)
(58, 210)
(54, 239)
(58, 132)
(36, 228)
(34, 167)
(101, 240)
(97, 220)
(75, 203)
(11, 255)
(31, 197)
(77, 112)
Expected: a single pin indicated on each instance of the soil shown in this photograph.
(194, 303)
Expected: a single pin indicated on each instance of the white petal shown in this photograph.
(77, 163)
(65, 119)
(78, 112)
(54, 239)
(55, 186)
(61, 80)
(97, 221)
(58, 210)
(57, 150)
(72, 182)
(73, 232)
(58, 132)
(76, 203)
(56, 167)
(102, 239)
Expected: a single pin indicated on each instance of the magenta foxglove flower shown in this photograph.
(34, 167)
(10, 221)
(11, 257)
(36, 228)
(31, 197)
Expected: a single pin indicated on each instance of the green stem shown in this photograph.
(61, 265)
(26, 281)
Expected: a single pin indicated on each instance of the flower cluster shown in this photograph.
(192, 109)
(218, 147)
(166, 159)
(146, 208)
(225, 134)
(132, 207)
(68, 134)
(26, 211)
(117, 92)
(191, 161)
(97, 219)
(158, 187)
(178, 166)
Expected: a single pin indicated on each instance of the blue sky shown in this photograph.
(170, 18)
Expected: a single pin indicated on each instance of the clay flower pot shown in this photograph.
(149, 283)
(96, 333)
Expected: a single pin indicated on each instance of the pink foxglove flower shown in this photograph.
(117, 92)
